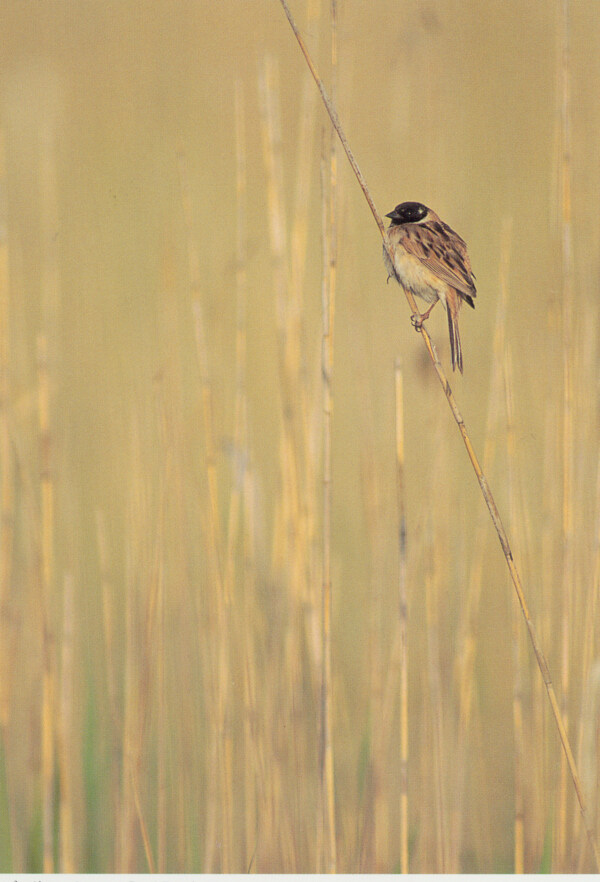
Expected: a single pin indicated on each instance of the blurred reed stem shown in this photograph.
(195, 276)
(50, 296)
(549, 597)
(327, 827)
(294, 545)
(517, 703)
(326, 822)
(240, 503)
(110, 662)
(47, 576)
(240, 440)
(8, 628)
(470, 621)
(125, 815)
(568, 570)
(219, 826)
(66, 746)
(402, 621)
(142, 822)
(286, 539)
(294, 551)
(436, 717)
(7, 465)
(140, 598)
(375, 822)
(591, 679)
(165, 489)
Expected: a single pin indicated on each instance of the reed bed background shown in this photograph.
(253, 613)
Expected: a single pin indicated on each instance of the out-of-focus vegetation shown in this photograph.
(161, 476)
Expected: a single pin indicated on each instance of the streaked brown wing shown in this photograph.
(443, 252)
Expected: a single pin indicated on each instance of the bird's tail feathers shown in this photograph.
(455, 347)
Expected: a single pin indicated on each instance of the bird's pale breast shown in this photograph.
(415, 275)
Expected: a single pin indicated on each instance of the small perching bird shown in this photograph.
(432, 261)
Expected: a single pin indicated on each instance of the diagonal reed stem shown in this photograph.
(487, 493)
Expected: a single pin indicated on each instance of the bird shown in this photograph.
(431, 260)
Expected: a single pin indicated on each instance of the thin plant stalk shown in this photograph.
(328, 288)
(125, 818)
(295, 543)
(567, 434)
(8, 630)
(374, 821)
(483, 484)
(214, 523)
(587, 667)
(241, 466)
(50, 293)
(519, 751)
(65, 729)
(111, 676)
(47, 575)
(326, 779)
(286, 540)
(160, 643)
(139, 643)
(437, 725)
(143, 827)
(7, 460)
(219, 600)
(241, 287)
(468, 637)
(50, 299)
(402, 619)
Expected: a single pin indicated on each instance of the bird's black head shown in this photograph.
(408, 213)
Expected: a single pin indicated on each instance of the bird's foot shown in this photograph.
(417, 318)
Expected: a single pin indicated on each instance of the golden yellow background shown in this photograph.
(181, 723)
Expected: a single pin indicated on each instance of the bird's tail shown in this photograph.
(455, 347)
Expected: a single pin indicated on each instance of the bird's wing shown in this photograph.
(443, 252)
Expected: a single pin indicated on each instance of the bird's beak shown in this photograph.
(393, 215)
